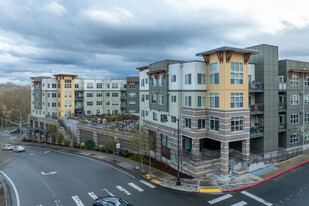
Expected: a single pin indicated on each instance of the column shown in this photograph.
(246, 150)
(196, 149)
(158, 145)
(224, 158)
(95, 138)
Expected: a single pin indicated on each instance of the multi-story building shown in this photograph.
(132, 95)
(228, 105)
(66, 94)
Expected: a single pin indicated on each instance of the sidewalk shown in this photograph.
(207, 183)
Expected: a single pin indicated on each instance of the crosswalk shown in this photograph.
(126, 189)
(241, 203)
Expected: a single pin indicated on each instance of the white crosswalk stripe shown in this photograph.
(148, 184)
(123, 190)
(220, 199)
(256, 198)
(108, 192)
(242, 203)
(92, 195)
(135, 187)
(77, 201)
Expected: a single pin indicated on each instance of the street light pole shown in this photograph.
(178, 182)
(20, 123)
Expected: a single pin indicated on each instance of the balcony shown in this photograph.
(256, 86)
(256, 109)
(123, 98)
(123, 105)
(282, 106)
(282, 86)
(282, 127)
(256, 131)
(79, 98)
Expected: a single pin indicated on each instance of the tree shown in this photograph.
(53, 132)
(303, 129)
(110, 146)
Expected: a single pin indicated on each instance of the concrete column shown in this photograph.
(95, 138)
(158, 145)
(196, 149)
(77, 136)
(224, 158)
(246, 150)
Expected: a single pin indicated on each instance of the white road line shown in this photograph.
(108, 192)
(77, 201)
(92, 195)
(46, 152)
(15, 190)
(242, 203)
(148, 184)
(220, 199)
(135, 187)
(123, 190)
(256, 198)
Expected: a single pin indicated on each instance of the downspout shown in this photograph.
(180, 119)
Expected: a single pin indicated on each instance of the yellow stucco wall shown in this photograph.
(225, 88)
(62, 99)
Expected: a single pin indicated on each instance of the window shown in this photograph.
(67, 94)
(107, 94)
(214, 73)
(58, 83)
(173, 119)
(161, 99)
(201, 78)
(99, 86)
(188, 79)
(202, 124)
(164, 118)
(48, 104)
(114, 94)
(142, 113)
(147, 97)
(237, 78)
(294, 81)
(99, 103)
(166, 141)
(173, 98)
(115, 103)
(54, 86)
(188, 123)
(237, 124)
(98, 111)
(147, 113)
(173, 78)
(107, 85)
(107, 103)
(132, 85)
(153, 99)
(89, 103)
(143, 82)
(54, 104)
(155, 116)
(237, 66)
(88, 111)
(306, 117)
(89, 85)
(58, 94)
(67, 104)
(153, 81)
(307, 80)
(306, 136)
(294, 138)
(132, 94)
(294, 99)
(188, 101)
(54, 95)
(146, 80)
(132, 103)
(89, 94)
(306, 98)
(201, 101)
(294, 119)
(214, 124)
(142, 97)
(237, 100)
(161, 80)
(114, 85)
(214, 100)
(59, 104)
(67, 113)
(76, 86)
(99, 94)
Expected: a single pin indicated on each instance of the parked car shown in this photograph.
(110, 201)
(14, 131)
(7, 147)
(19, 149)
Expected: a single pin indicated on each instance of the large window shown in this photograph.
(132, 103)
(161, 80)
(214, 100)
(99, 85)
(161, 99)
(188, 79)
(89, 94)
(306, 117)
(201, 78)
(67, 104)
(173, 98)
(237, 78)
(201, 124)
(154, 99)
(99, 94)
(132, 85)
(237, 124)
(294, 80)
(89, 103)
(294, 119)
(307, 80)
(164, 118)
(173, 78)
(214, 123)
(67, 94)
(132, 94)
(294, 99)
(237, 100)
(114, 85)
(188, 101)
(114, 103)
(187, 123)
(214, 73)
(114, 94)
(294, 138)
(89, 85)
(306, 98)
(143, 82)
(142, 98)
(153, 81)
(67, 83)
(155, 116)
(237, 66)
(201, 101)
(99, 103)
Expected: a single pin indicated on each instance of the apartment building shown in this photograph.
(234, 102)
(64, 95)
(132, 95)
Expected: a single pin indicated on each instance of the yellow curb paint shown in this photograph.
(155, 181)
(210, 190)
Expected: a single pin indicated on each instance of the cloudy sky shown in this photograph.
(110, 38)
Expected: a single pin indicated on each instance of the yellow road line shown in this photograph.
(210, 190)
(155, 181)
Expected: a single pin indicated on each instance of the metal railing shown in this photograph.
(282, 106)
(257, 108)
(256, 86)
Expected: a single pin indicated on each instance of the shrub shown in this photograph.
(89, 144)
(77, 145)
(41, 141)
(81, 146)
(137, 157)
(66, 142)
(100, 149)
(124, 152)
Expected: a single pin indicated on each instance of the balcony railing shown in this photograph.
(256, 86)
(282, 86)
(282, 127)
(256, 131)
(79, 98)
(256, 109)
(123, 98)
(282, 106)
(204, 155)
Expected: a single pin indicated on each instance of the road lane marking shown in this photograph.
(148, 184)
(58, 203)
(49, 173)
(46, 152)
(242, 203)
(210, 190)
(256, 198)
(224, 197)
(92, 195)
(15, 190)
(123, 190)
(77, 201)
(108, 192)
(135, 187)
(31, 154)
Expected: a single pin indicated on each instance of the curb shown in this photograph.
(268, 178)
